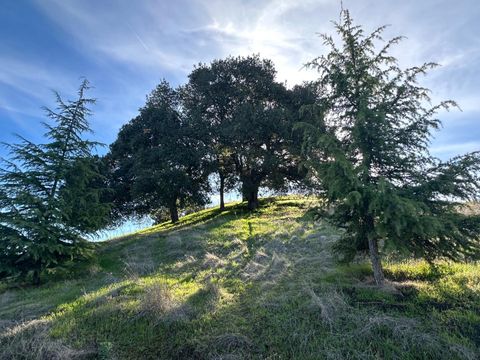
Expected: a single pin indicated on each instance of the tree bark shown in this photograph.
(222, 191)
(375, 260)
(174, 212)
(36, 277)
(253, 200)
(250, 194)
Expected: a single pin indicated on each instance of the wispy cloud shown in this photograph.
(29, 78)
(174, 36)
(146, 35)
(139, 38)
(443, 151)
(126, 47)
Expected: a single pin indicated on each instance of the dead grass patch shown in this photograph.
(30, 340)
(231, 346)
(331, 305)
(159, 304)
(138, 262)
(212, 261)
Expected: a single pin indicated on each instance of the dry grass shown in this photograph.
(185, 262)
(30, 340)
(252, 271)
(331, 304)
(349, 326)
(174, 245)
(212, 293)
(138, 262)
(408, 334)
(159, 304)
(228, 346)
(268, 264)
(472, 208)
(212, 261)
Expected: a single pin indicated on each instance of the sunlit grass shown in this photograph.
(242, 285)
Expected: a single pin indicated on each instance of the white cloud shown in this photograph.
(146, 35)
(173, 36)
(153, 39)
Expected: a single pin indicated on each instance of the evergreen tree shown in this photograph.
(51, 194)
(156, 163)
(366, 144)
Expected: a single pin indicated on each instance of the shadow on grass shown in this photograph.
(20, 301)
(291, 320)
(271, 297)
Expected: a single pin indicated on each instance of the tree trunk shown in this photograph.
(369, 223)
(36, 277)
(250, 193)
(375, 259)
(253, 200)
(174, 212)
(222, 191)
(370, 234)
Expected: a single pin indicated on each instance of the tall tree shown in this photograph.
(366, 144)
(208, 105)
(244, 113)
(51, 194)
(156, 162)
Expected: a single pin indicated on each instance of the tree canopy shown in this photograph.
(156, 161)
(248, 122)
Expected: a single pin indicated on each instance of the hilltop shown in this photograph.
(241, 285)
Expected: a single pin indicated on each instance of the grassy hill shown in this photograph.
(235, 285)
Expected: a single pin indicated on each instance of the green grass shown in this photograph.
(235, 285)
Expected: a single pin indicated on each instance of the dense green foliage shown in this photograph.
(156, 161)
(366, 143)
(51, 195)
(247, 119)
(243, 285)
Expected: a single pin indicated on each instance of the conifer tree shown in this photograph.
(50, 194)
(366, 145)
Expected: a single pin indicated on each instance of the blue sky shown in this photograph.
(126, 47)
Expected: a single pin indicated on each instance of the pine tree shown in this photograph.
(366, 145)
(51, 194)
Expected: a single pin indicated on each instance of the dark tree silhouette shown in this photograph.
(156, 161)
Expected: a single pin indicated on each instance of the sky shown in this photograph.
(126, 47)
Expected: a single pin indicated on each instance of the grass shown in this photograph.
(235, 285)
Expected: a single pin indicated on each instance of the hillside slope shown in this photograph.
(235, 285)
